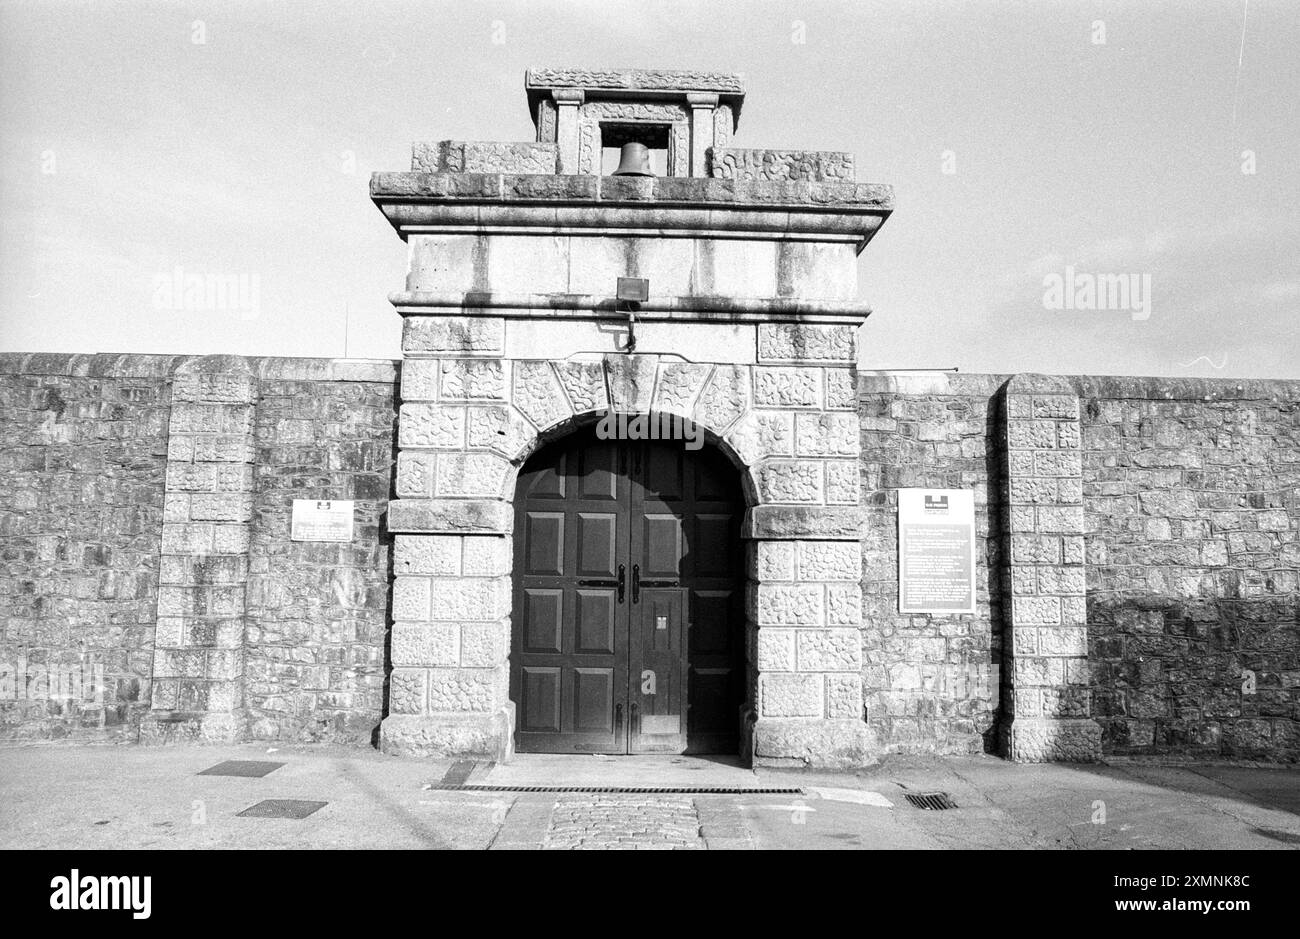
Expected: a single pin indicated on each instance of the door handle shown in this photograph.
(638, 583)
(635, 721)
(618, 720)
(619, 583)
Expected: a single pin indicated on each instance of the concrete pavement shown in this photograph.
(137, 797)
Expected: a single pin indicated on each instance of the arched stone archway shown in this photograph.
(470, 421)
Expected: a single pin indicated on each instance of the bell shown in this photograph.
(634, 160)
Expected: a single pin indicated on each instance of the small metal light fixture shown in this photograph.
(629, 294)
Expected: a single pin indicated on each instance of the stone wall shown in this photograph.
(318, 612)
(1190, 521)
(1192, 503)
(144, 543)
(83, 445)
(931, 682)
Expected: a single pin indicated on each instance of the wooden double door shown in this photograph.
(627, 628)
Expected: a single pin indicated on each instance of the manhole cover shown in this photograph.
(282, 808)
(251, 768)
(931, 801)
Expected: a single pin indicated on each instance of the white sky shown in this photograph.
(129, 150)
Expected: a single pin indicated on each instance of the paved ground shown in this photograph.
(135, 797)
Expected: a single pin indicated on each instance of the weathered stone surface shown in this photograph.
(802, 165)
(791, 695)
(454, 516)
(475, 156)
(782, 342)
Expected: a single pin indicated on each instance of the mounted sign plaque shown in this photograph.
(936, 551)
(321, 520)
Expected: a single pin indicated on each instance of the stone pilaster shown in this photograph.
(806, 594)
(702, 131)
(449, 686)
(1046, 694)
(199, 642)
(566, 128)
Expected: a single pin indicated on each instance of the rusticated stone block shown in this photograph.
(841, 389)
(431, 426)
(791, 695)
(454, 335)
(1028, 611)
(776, 650)
(822, 561)
(830, 744)
(787, 387)
(724, 398)
(468, 598)
(465, 689)
(829, 650)
(631, 381)
(537, 394)
(407, 690)
(826, 434)
(782, 522)
(1044, 740)
(791, 481)
(414, 474)
(843, 605)
(790, 342)
(843, 482)
(793, 165)
(420, 379)
(762, 434)
(500, 429)
(789, 605)
(411, 599)
(584, 383)
(427, 554)
(679, 385)
(472, 379)
(484, 645)
(775, 560)
(844, 697)
(486, 555)
(425, 644)
(471, 474)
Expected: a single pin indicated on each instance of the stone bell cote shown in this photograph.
(681, 114)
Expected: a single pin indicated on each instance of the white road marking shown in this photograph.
(856, 796)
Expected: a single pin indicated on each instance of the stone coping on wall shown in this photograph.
(630, 83)
(266, 368)
(1108, 387)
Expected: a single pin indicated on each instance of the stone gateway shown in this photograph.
(569, 521)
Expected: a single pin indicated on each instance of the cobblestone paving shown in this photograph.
(624, 822)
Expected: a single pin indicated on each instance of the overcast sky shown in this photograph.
(237, 139)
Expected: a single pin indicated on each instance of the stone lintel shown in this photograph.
(451, 516)
(785, 522)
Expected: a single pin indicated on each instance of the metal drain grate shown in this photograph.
(251, 769)
(282, 808)
(931, 801)
(621, 790)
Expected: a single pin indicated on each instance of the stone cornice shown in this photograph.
(663, 206)
(628, 84)
(662, 309)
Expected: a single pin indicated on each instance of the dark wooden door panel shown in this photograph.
(627, 626)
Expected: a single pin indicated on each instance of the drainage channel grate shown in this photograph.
(620, 790)
(282, 808)
(250, 769)
(931, 801)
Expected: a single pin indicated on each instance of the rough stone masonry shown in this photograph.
(1138, 540)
